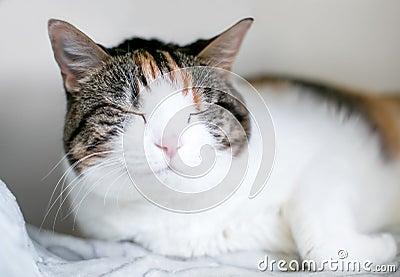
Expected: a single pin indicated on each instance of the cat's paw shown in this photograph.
(379, 249)
(385, 249)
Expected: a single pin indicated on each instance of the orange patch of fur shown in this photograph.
(183, 75)
(148, 64)
(384, 112)
(172, 64)
(275, 82)
(196, 97)
(187, 83)
(151, 72)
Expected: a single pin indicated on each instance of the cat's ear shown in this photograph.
(74, 52)
(222, 50)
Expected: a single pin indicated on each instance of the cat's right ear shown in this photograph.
(222, 49)
(74, 52)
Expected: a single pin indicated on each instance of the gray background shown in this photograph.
(351, 42)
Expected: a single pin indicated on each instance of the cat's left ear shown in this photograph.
(75, 53)
(222, 49)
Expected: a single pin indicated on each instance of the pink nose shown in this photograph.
(169, 146)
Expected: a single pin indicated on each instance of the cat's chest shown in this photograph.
(238, 225)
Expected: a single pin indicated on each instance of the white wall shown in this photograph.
(355, 42)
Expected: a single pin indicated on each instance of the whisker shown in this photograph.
(79, 179)
(109, 187)
(63, 183)
(116, 162)
(80, 189)
(64, 157)
(92, 187)
(54, 167)
(66, 173)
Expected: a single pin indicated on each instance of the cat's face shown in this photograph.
(148, 106)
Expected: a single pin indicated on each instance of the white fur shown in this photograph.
(329, 190)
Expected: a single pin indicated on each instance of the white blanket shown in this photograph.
(44, 253)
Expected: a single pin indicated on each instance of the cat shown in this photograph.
(336, 177)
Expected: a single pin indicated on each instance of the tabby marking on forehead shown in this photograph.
(147, 64)
(173, 65)
(151, 71)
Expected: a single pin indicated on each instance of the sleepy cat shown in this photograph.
(336, 177)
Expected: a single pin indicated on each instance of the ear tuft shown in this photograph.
(222, 49)
(74, 52)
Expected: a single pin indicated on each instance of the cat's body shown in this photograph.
(314, 177)
(335, 183)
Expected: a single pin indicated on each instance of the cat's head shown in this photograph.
(144, 94)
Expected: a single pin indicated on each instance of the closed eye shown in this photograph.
(142, 115)
(192, 114)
